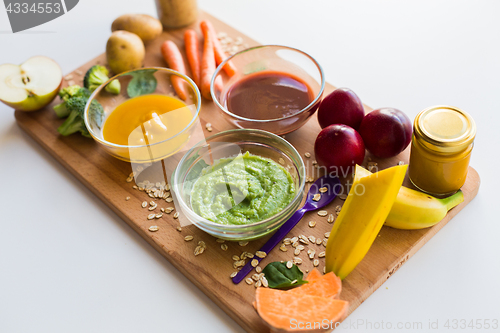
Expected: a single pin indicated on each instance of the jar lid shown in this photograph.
(445, 129)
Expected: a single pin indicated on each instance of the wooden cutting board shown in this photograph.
(105, 176)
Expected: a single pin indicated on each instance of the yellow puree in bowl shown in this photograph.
(242, 190)
(146, 119)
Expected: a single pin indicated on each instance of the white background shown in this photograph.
(69, 264)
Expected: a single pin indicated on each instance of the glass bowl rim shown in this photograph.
(300, 190)
(309, 106)
(162, 69)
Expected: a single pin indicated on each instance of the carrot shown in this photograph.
(174, 60)
(207, 61)
(191, 42)
(220, 55)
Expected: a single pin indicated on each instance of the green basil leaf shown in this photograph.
(143, 82)
(280, 277)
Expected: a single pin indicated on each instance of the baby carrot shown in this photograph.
(174, 60)
(193, 56)
(220, 55)
(207, 61)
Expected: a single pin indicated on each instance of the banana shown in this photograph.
(416, 210)
(364, 212)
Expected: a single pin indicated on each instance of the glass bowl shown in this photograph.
(229, 144)
(147, 152)
(274, 58)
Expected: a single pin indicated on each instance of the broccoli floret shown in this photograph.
(61, 110)
(76, 107)
(65, 94)
(98, 75)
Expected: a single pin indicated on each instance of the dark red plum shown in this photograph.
(386, 132)
(339, 147)
(342, 106)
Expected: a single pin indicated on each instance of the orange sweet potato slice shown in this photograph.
(328, 285)
(314, 275)
(289, 312)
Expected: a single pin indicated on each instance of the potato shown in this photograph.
(144, 26)
(124, 51)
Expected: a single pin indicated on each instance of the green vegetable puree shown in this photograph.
(242, 190)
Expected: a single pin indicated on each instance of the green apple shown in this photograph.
(31, 85)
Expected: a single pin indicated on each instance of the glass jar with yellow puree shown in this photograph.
(443, 137)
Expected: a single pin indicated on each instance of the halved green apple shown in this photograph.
(31, 85)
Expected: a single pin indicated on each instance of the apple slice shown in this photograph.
(31, 85)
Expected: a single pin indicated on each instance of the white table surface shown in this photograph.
(69, 264)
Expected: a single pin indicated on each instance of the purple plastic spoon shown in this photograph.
(332, 185)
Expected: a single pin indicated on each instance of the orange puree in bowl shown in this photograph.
(146, 119)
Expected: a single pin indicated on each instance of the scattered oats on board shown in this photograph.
(318, 241)
(179, 229)
(322, 254)
(188, 238)
(249, 281)
(312, 224)
(283, 248)
(338, 208)
(255, 277)
(264, 282)
(127, 198)
(208, 126)
(169, 210)
(176, 215)
(331, 218)
(316, 263)
(307, 154)
(258, 284)
(233, 274)
(294, 282)
(322, 213)
(258, 269)
(243, 243)
(297, 261)
(159, 215)
(199, 250)
(236, 258)
(327, 234)
(287, 241)
(239, 263)
(325, 242)
(220, 240)
(294, 239)
(261, 254)
(317, 197)
(312, 239)
(169, 199)
(296, 252)
(254, 263)
(151, 216)
(224, 247)
(289, 264)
